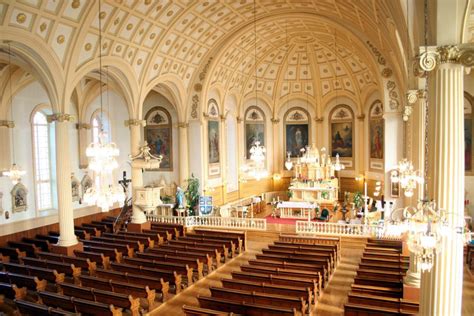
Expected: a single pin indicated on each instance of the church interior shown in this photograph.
(240, 157)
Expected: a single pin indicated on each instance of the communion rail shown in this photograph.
(259, 224)
(354, 230)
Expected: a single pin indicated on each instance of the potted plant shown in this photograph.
(357, 200)
(192, 194)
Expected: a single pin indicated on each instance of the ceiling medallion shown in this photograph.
(139, 62)
(60, 39)
(43, 27)
(102, 15)
(75, 4)
(21, 18)
(88, 47)
(129, 26)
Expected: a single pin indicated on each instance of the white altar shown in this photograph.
(296, 209)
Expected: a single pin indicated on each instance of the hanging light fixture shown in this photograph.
(102, 156)
(407, 176)
(15, 172)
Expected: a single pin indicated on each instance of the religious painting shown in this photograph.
(86, 184)
(395, 187)
(341, 139)
(297, 138)
(19, 197)
(254, 128)
(158, 134)
(75, 184)
(376, 131)
(213, 141)
(341, 132)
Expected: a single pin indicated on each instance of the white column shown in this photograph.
(441, 289)
(138, 217)
(223, 157)
(183, 154)
(63, 175)
(5, 154)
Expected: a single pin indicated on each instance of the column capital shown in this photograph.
(183, 124)
(414, 95)
(361, 117)
(83, 126)
(222, 118)
(60, 117)
(433, 56)
(275, 120)
(239, 119)
(7, 124)
(319, 119)
(134, 122)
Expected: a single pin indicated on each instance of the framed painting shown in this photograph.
(376, 130)
(341, 139)
(160, 142)
(297, 138)
(395, 187)
(213, 141)
(254, 132)
(75, 186)
(19, 198)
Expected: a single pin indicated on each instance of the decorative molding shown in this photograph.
(7, 124)
(60, 117)
(275, 120)
(240, 120)
(361, 117)
(194, 106)
(319, 119)
(182, 125)
(431, 57)
(83, 126)
(387, 72)
(134, 122)
(380, 59)
(393, 95)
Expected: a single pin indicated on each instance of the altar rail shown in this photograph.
(355, 230)
(259, 224)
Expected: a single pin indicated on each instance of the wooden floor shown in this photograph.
(334, 295)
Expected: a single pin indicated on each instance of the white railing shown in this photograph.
(213, 221)
(336, 229)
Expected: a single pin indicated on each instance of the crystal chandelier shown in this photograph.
(407, 176)
(102, 155)
(426, 225)
(257, 156)
(15, 172)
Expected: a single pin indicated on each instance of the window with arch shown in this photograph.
(341, 122)
(43, 149)
(296, 131)
(99, 121)
(254, 128)
(468, 132)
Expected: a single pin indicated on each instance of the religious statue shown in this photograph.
(179, 198)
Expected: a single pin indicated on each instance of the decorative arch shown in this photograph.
(376, 136)
(341, 133)
(159, 135)
(297, 136)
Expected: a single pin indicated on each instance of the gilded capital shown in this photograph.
(430, 57)
(412, 96)
(319, 119)
(183, 124)
(134, 122)
(7, 124)
(239, 119)
(60, 117)
(275, 120)
(83, 126)
(361, 117)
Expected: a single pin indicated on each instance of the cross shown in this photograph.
(124, 182)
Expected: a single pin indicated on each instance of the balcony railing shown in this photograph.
(259, 224)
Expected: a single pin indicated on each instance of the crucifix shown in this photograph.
(125, 182)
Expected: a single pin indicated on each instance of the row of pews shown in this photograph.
(378, 285)
(287, 278)
(115, 273)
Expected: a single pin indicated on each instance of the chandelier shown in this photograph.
(407, 176)
(102, 154)
(15, 172)
(425, 225)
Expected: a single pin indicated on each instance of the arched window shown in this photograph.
(42, 140)
(254, 128)
(99, 120)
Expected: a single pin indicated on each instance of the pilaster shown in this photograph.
(183, 153)
(5, 152)
(278, 147)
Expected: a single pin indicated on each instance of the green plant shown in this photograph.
(167, 199)
(192, 194)
(289, 193)
(357, 199)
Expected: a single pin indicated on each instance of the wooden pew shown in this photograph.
(199, 311)
(201, 245)
(317, 262)
(48, 274)
(156, 273)
(30, 282)
(91, 230)
(51, 239)
(278, 279)
(127, 247)
(12, 291)
(154, 259)
(305, 254)
(83, 263)
(217, 254)
(291, 265)
(30, 249)
(310, 240)
(240, 235)
(12, 253)
(146, 241)
(154, 236)
(101, 227)
(377, 290)
(96, 257)
(30, 308)
(273, 300)
(117, 299)
(262, 287)
(176, 229)
(351, 309)
(243, 308)
(79, 305)
(45, 245)
(202, 256)
(161, 232)
(135, 290)
(113, 251)
(381, 275)
(66, 268)
(230, 243)
(313, 248)
(385, 267)
(377, 282)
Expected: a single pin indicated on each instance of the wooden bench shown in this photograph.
(11, 253)
(146, 241)
(45, 245)
(30, 249)
(262, 287)
(240, 235)
(202, 256)
(30, 308)
(113, 251)
(101, 227)
(311, 240)
(49, 238)
(243, 308)
(164, 233)
(199, 311)
(126, 246)
(303, 253)
(377, 282)
(91, 230)
(381, 275)
(377, 290)
(154, 236)
(78, 305)
(48, 274)
(83, 263)
(93, 256)
(290, 265)
(156, 273)
(201, 245)
(117, 299)
(30, 282)
(178, 229)
(142, 291)
(312, 248)
(12, 291)
(385, 267)
(228, 243)
(317, 262)
(154, 259)
(66, 268)
(216, 253)
(273, 300)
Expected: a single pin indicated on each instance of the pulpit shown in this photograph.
(148, 198)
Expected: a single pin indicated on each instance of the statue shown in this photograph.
(179, 198)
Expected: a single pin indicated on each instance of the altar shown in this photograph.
(296, 209)
(320, 192)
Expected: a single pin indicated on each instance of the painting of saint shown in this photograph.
(468, 144)
(159, 141)
(296, 138)
(376, 139)
(341, 139)
(213, 141)
(254, 132)
(19, 201)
